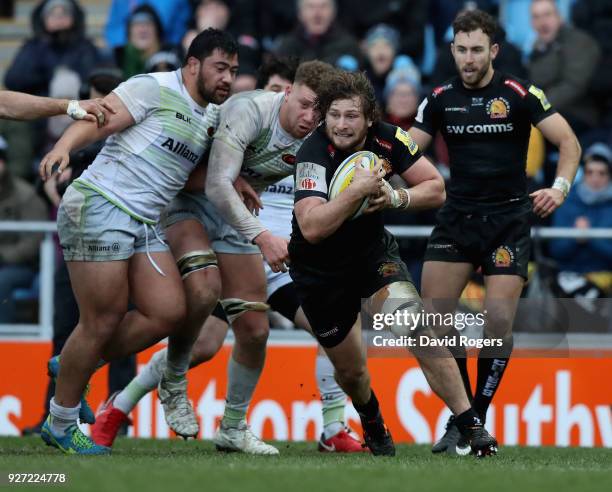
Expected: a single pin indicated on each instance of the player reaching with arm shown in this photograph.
(20, 106)
(107, 220)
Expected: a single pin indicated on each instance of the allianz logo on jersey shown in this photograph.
(181, 149)
(471, 129)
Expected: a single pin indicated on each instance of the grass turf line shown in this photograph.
(173, 465)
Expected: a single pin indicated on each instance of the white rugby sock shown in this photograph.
(241, 383)
(62, 417)
(332, 397)
(177, 363)
(144, 382)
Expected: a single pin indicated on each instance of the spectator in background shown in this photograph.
(174, 15)
(562, 64)
(595, 17)
(408, 17)
(163, 61)
(59, 40)
(381, 42)
(317, 36)
(402, 96)
(276, 74)
(18, 251)
(145, 38)
(589, 205)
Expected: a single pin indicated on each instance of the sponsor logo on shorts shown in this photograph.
(333, 331)
(498, 107)
(99, 248)
(503, 257)
(388, 269)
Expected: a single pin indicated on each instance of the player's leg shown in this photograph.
(115, 411)
(243, 277)
(336, 437)
(101, 290)
(441, 285)
(351, 372)
(501, 300)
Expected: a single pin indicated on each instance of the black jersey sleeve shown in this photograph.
(428, 116)
(538, 106)
(312, 163)
(405, 151)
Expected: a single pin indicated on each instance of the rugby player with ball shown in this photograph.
(340, 256)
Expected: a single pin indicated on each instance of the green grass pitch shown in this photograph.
(175, 466)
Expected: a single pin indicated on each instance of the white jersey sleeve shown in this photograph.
(140, 95)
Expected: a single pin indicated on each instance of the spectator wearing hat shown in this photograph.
(174, 15)
(402, 95)
(317, 35)
(589, 205)
(18, 251)
(59, 40)
(145, 39)
(381, 43)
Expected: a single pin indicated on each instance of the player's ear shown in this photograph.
(494, 50)
(193, 65)
(288, 91)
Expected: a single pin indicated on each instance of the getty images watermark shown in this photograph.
(539, 327)
(414, 322)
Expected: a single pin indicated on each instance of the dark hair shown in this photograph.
(314, 75)
(284, 67)
(208, 41)
(471, 20)
(346, 85)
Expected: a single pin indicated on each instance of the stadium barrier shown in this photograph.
(552, 401)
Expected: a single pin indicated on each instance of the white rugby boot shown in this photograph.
(241, 439)
(178, 411)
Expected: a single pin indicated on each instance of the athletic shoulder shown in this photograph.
(316, 147)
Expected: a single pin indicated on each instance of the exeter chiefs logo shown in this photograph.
(503, 257)
(498, 108)
(388, 269)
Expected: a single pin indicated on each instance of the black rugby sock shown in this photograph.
(492, 364)
(370, 411)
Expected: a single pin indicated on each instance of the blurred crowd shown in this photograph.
(564, 47)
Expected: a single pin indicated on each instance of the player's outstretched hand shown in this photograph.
(56, 160)
(546, 201)
(96, 110)
(274, 250)
(248, 195)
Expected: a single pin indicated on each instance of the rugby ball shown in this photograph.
(343, 176)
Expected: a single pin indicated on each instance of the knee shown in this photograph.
(499, 323)
(352, 375)
(102, 326)
(254, 335)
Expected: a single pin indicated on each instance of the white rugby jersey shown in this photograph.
(249, 122)
(142, 168)
(276, 215)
